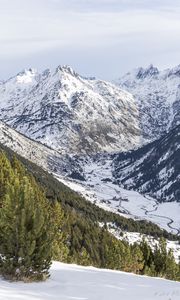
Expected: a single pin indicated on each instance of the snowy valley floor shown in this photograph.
(130, 204)
(82, 283)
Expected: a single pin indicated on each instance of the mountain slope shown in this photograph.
(143, 183)
(101, 178)
(39, 159)
(68, 112)
(75, 282)
(153, 169)
(26, 147)
(157, 94)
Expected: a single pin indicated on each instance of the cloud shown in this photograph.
(104, 30)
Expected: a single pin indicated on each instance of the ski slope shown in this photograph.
(88, 283)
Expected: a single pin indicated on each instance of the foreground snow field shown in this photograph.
(80, 283)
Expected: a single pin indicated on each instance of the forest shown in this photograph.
(42, 220)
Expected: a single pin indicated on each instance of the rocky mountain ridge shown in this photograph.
(157, 94)
(153, 169)
(70, 113)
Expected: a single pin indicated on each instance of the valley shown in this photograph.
(100, 189)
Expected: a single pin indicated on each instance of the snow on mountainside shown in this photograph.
(153, 169)
(99, 188)
(29, 149)
(138, 184)
(136, 237)
(88, 283)
(79, 115)
(93, 178)
(158, 96)
(70, 113)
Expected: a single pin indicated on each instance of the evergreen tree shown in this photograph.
(147, 256)
(25, 231)
(85, 257)
(60, 249)
(137, 259)
(171, 267)
(6, 174)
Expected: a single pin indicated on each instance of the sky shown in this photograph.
(101, 38)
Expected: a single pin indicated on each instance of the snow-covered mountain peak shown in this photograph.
(27, 76)
(157, 94)
(150, 71)
(68, 70)
(67, 111)
(174, 71)
(140, 73)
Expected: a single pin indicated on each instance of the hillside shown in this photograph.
(84, 225)
(73, 202)
(96, 178)
(153, 169)
(143, 183)
(75, 282)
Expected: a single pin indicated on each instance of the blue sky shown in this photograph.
(102, 38)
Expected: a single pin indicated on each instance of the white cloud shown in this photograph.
(118, 29)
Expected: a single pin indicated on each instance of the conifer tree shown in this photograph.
(6, 174)
(60, 249)
(137, 259)
(26, 231)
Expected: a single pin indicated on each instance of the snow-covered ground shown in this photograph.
(88, 283)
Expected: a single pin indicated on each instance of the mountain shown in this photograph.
(157, 94)
(153, 169)
(31, 105)
(99, 177)
(70, 113)
(74, 114)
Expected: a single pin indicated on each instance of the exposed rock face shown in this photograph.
(157, 94)
(153, 169)
(70, 113)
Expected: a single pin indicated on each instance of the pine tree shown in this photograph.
(147, 256)
(171, 267)
(25, 231)
(60, 249)
(137, 259)
(85, 257)
(116, 255)
(5, 174)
